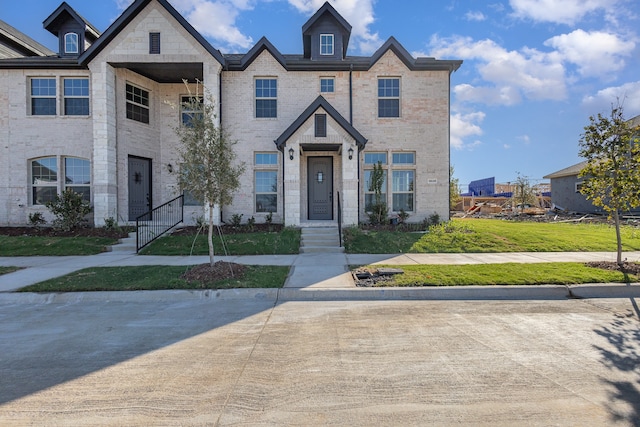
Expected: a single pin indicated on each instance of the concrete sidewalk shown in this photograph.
(319, 273)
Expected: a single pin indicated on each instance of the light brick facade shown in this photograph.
(108, 139)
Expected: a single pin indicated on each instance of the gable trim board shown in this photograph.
(107, 138)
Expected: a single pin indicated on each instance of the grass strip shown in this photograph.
(286, 241)
(53, 246)
(557, 273)
(7, 270)
(155, 277)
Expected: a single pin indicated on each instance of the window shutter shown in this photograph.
(154, 43)
(321, 125)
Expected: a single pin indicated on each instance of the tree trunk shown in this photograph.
(210, 235)
(616, 220)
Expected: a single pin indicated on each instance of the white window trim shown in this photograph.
(333, 86)
(132, 102)
(271, 167)
(66, 44)
(265, 98)
(391, 97)
(332, 45)
(30, 96)
(60, 185)
(64, 111)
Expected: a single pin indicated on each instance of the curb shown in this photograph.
(275, 295)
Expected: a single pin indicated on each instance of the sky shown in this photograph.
(534, 71)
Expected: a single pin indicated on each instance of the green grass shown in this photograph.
(490, 235)
(7, 270)
(154, 277)
(53, 246)
(560, 273)
(286, 241)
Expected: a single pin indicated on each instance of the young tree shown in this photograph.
(207, 160)
(612, 174)
(378, 208)
(523, 193)
(454, 192)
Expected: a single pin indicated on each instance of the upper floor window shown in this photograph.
(327, 85)
(76, 96)
(389, 97)
(154, 43)
(71, 43)
(43, 97)
(326, 44)
(266, 98)
(137, 104)
(191, 107)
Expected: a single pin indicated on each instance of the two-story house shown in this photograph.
(100, 117)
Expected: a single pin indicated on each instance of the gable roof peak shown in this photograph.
(326, 8)
(53, 22)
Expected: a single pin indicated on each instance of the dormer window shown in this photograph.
(326, 44)
(71, 43)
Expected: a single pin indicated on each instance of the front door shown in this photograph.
(320, 186)
(139, 187)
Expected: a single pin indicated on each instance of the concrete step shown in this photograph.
(320, 240)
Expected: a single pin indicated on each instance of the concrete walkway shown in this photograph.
(327, 276)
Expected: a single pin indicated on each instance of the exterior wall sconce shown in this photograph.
(319, 177)
(290, 153)
(350, 153)
(170, 167)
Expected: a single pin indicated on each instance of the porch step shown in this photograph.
(128, 244)
(320, 239)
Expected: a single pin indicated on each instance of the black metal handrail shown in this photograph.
(339, 220)
(159, 220)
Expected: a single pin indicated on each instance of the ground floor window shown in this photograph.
(266, 182)
(47, 178)
(369, 193)
(400, 170)
(402, 190)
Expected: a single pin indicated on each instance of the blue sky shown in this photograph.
(533, 71)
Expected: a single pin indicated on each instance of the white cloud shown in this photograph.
(475, 16)
(511, 75)
(465, 126)
(217, 20)
(358, 13)
(596, 53)
(560, 12)
(123, 4)
(628, 94)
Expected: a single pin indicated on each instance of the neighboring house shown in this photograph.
(565, 186)
(99, 117)
(14, 44)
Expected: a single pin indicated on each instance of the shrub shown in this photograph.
(111, 224)
(251, 223)
(269, 218)
(402, 216)
(236, 220)
(69, 209)
(36, 219)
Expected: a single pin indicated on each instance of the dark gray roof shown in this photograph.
(53, 22)
(569, 171)
(22, 42)
(321, 102)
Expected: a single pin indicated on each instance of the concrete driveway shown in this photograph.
(184, 358)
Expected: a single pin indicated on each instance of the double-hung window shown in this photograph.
(76, 96)
(370, 160)
(388, 97)
(77, 176)
(43, 96)
(326, 44)
(266, 182)
(266, 98)
(137, 104)
(403, 181)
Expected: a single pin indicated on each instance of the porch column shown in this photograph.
(103, 112)
(292, 190)
(211, 76)
(349, 193)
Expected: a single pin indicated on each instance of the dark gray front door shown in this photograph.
(139, 187)
(320, 179)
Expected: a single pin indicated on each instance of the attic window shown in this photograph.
(154, 43)
(326, 44)
(71, 43)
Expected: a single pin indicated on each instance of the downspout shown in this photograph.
(283, 193)
(351, 123)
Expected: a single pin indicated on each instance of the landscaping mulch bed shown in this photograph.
(221, 270)
(628, 267)
(229, 229)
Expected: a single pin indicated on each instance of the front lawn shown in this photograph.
(53, 245)
(491, 235)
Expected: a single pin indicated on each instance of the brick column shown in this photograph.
(349, 184)
(291, 199)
